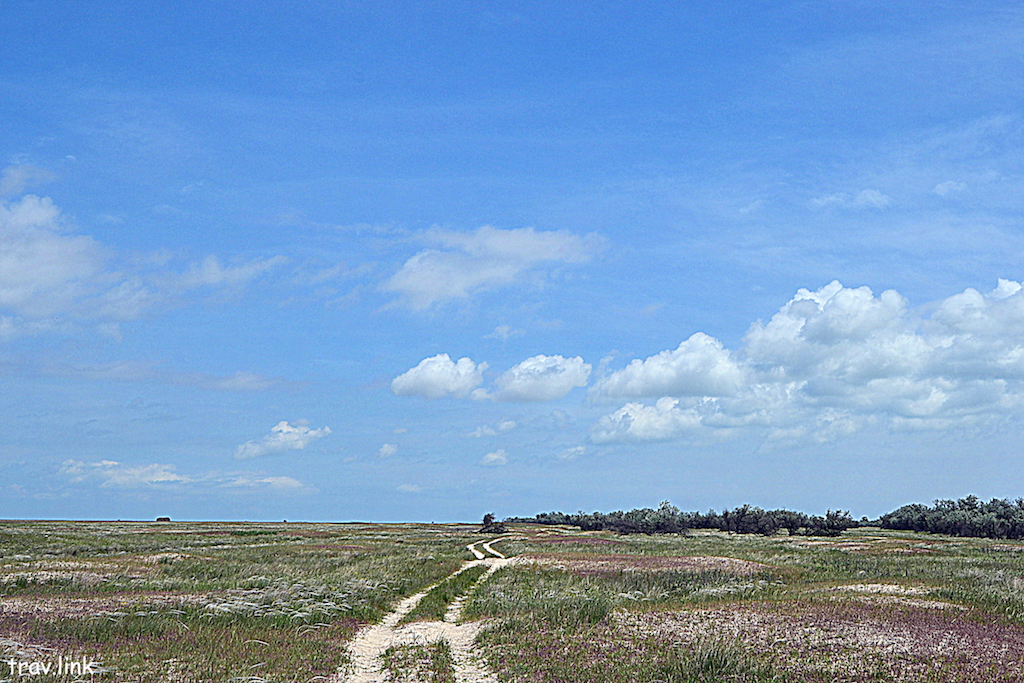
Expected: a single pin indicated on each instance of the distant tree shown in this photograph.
(490, 526)
(834, 523)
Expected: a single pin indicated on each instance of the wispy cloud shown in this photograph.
(466, 263)
(137, 371)
(52, 277)
(865, 199)
(17, 179)
(112, 474)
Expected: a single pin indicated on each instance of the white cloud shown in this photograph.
(242, 381)
(112, 474)
(439, 376)
(830, 362)
(387, 450)
(865, 199)
(261, 482)
(283, 437)
(572, 453)
(16, 179)
(136, 371)
(504, 333)
(495, 459)
(700, 366)
(470, 262)
(210, 273)
(638, 422)
(282, 483)
(409, 488)
(542, 378)
(45, 270)
(51, 277)
(813, 327)
(949, 187)
(488, 430)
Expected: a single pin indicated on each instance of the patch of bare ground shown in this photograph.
(852, 640)
(594, 564)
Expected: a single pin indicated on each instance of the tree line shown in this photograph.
(968, 516)
(668, 519)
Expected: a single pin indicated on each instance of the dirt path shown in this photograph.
(369, 644)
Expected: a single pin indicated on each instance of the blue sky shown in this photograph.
(422, 261)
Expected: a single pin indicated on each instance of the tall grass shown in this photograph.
(434, 604)
(431, 663)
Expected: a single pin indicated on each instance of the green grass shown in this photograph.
(435, 603)
(525, 650)
(280, 602)
(420, 663)
(213, 601)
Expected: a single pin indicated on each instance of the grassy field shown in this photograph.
(281, 602)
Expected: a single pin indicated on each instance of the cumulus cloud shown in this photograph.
(700, 366)
(439, 376)
(495, 459)
(282, 437)
(831, 361)
(387, 450)
(638, 422)
(469, 262)
(542, 378)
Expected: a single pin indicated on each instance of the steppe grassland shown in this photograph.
(279, 602)
(870, 605)
(209, 602)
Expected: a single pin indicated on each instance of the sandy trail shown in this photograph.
(369, 644)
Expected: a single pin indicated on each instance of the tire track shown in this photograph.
(366, 648)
